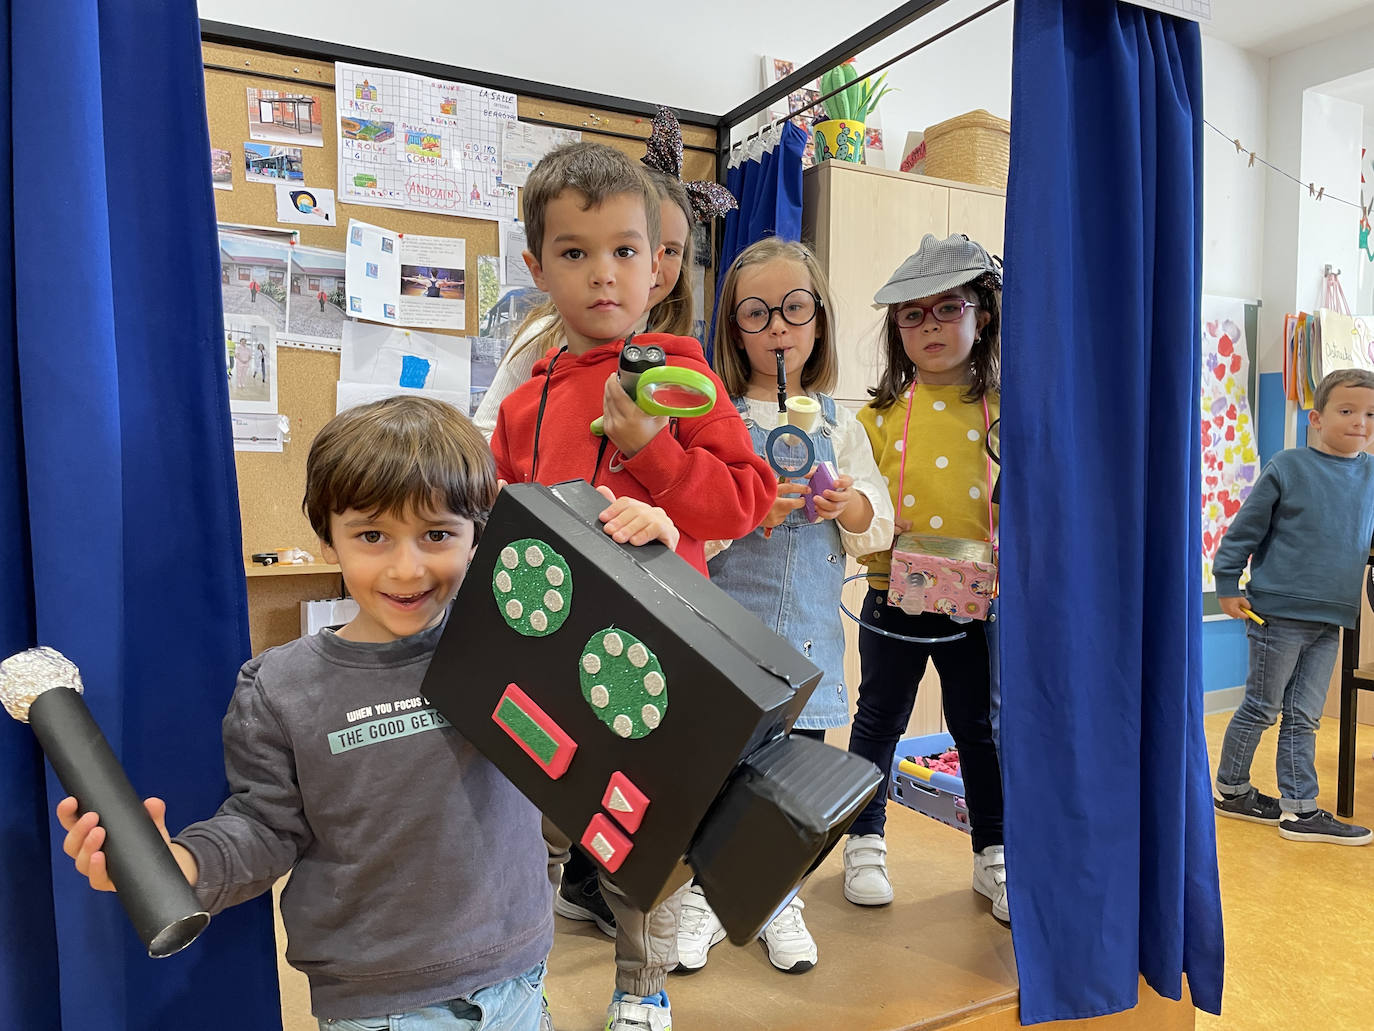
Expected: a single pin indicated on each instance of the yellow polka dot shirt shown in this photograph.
(945, 488)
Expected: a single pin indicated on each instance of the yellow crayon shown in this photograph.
(1249, 614)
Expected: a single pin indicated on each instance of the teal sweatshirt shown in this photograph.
(1306, 529)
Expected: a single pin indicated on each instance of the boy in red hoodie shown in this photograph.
(592, 224)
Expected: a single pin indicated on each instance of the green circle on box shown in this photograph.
(623, 683)
(532, 585)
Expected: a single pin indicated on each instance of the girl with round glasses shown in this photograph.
(931, 413)
(789, 572)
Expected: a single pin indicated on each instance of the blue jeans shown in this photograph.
(1290, 669)
(513, 1005)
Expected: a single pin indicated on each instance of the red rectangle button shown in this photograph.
(530, 727)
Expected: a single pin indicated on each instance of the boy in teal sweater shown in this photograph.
(1306, 530)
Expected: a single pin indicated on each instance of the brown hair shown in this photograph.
(822, 368)
(398, 454)
(674, 314)
(1340, 378)
(594, 171)
(899, 371)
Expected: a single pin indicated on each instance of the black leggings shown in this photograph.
(892, 670)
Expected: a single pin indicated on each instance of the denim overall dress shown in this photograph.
(792, 579)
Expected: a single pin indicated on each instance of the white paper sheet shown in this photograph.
(433, 282)
(523, 144)
(381, 356)
(517, 272)
(258, 432)
(373, 275)
(350, 395)
(305, 205)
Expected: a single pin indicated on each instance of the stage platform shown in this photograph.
(934, 958)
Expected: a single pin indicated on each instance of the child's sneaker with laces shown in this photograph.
(698, 929)
(581, 899)
(1248, 805)
(790, 946)
(639, 1013)
(865, 870)
(990, 879)
(1322, 826)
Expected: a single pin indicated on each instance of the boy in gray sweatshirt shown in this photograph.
(1306, 530)
(419, 883)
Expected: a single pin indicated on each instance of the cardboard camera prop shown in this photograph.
(642, 710)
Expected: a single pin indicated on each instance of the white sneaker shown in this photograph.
(790, 946)
(865, 870)
(632, 1013)
(698, 929)
(990, 879)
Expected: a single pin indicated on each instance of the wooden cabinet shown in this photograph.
(863, 222)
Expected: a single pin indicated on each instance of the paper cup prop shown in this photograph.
(789, 448)
(659, 388)
(42, 688)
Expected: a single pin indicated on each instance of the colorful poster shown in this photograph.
(1230, 447)
(411, 141)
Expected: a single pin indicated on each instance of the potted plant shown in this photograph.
(841, 135)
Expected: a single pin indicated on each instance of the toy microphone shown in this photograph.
(42, 687)
(659, 388)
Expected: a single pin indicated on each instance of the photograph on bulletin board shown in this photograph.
(252, 277)
(251, 358)
(316, 314)
(1229, 425)
(285, 117)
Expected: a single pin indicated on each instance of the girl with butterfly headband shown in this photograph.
(671, 303)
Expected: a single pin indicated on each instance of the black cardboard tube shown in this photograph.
(151, 886)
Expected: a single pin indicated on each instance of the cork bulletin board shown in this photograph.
(271, 484)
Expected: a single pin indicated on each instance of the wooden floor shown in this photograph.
(1299, 918)
(1299, 927)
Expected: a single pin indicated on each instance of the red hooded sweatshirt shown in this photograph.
(705, 476)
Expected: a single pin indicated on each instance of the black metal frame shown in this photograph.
(879, 30)
(319, 50)
(1351, 686)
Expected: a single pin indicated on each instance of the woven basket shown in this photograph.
(971, 148)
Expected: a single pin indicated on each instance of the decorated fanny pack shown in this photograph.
(954, 576)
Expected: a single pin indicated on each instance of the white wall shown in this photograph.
(1286, 285)
(1235, 86)
(660, 53)
(1327, 232)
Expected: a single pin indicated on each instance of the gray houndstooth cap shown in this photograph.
(938, 265)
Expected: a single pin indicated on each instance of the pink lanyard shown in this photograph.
(901, 469)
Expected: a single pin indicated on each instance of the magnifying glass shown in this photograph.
(659, 388)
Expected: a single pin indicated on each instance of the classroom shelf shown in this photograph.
(251, 569)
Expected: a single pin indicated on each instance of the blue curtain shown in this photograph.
(117, 495)
(769, 191)
(1111, 854)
